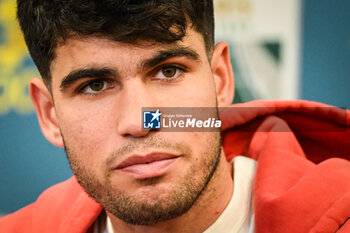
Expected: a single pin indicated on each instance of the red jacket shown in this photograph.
(302, 182)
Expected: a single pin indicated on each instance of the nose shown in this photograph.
(134, 95)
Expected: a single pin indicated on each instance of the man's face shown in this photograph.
(99, 87)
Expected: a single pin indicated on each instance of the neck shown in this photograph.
(206, 210)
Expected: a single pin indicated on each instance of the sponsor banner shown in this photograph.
(207, 119)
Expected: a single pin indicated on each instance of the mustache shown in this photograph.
(153, 142)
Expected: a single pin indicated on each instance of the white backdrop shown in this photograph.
(264, 36)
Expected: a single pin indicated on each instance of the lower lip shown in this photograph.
(149, 170)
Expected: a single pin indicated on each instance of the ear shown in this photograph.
(45, 110)
(223, 74)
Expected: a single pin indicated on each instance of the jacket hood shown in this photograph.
(291, 193)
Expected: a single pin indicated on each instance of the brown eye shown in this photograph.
(96, 85)
(169, 72)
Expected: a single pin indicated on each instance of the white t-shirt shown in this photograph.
(238, 217)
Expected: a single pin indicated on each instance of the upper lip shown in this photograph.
(143, 159)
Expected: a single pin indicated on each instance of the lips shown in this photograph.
(147, 166)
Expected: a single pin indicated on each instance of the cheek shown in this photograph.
(198, 90)
(85, 131)
(86, 139)
(201, 143)
(201, 90)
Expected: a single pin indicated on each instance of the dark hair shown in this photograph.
(45, 23)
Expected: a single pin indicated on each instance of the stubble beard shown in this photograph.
(152, 207)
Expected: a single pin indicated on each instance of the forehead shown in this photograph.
(78, 52)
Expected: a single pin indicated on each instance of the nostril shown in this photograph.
(136, 133)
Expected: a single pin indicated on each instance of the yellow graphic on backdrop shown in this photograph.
(14, 74)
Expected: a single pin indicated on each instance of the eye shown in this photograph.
(169, 73)
(95, 86)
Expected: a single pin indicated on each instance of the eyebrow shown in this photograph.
(163, 55)
(80, 73)
(104, 72)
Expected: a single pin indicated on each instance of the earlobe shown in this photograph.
(223, 74)
(45, 110)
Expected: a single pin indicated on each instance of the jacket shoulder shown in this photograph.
(9, 223)
(64, 204)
